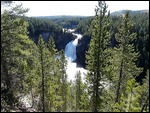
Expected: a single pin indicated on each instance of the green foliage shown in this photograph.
(144, 100)
(39, 25)
(122, 69)
(55, 78)
(129, 100)
(64, 85)
(96, 55)
(140, 27)
(84, 25)
(82, 101)
(40, 70)
(66, 21)
(50, 74)
(72, 97)
(15, 54)
(51, 46)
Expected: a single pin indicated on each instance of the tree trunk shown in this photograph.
(130, 102)
(119, 84)
(42, 81)
(145, 105)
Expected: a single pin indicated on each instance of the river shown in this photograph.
(70, 54)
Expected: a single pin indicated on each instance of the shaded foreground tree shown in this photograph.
(15, 53)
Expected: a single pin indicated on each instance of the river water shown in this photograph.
(70, 54)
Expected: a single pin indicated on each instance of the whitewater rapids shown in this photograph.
(70, 54)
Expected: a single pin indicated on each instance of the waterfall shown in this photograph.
(70, 54)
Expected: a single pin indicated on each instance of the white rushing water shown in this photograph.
(70, 54)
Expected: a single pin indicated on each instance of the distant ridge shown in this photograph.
(122, 12)
(116, 13)
(61, 16)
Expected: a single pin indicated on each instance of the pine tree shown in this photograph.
(96, 55)
(72, 97)
(30, 85)
(51, 46)
(50, 75)
(144, 100)
(78, 84)
(56, 87)
(43, 51)
(15, 53)
(122, 63)
(128, 55)
(82, 101)
(129, 99)
(64, 82)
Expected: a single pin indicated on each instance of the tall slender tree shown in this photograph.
(122, 64)
(144, 101)
(78, 84)
(128, 55)
(82, 100)
(63, 79)
(96, 54)
(50, 75)
(72, 97)
(43, 56)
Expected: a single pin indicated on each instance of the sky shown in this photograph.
(80, 8)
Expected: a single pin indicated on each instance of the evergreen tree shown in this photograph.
(129, 99)
(15, 53)
(96, 55)
(43, 53)
(64, 82)
(52, 47)
(56, 86)
(144, 100)
(122, 65)
(82, 99)
(50, 77)
(72, 97)
(48, 71)
(128, 55)
(78, 91)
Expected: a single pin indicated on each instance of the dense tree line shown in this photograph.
(38, 69)
(140, 27)
(84, 25)
(47, 28)
(69, 22)
(38, 25)
(116, 66)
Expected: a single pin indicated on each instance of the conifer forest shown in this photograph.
(96, 63)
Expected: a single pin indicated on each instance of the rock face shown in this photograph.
(61, 39)
(81, 49)
(46, 36)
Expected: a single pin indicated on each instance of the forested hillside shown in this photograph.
(140, 23)
(48, 28)
(114, 50)
(65, 21)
